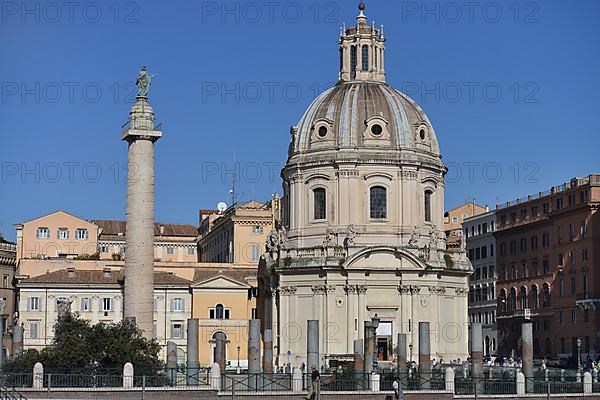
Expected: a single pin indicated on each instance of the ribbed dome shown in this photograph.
(364, 114)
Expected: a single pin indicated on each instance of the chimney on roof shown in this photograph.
(162, 230)
(71, 272)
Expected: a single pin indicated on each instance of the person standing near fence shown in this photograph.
(397, 387)
(315, 377)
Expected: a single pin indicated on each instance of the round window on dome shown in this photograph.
(376, 130)
(322, 131)
(422, 134)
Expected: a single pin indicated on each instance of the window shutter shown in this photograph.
(29, 304)
(172, 302)
(182, 305)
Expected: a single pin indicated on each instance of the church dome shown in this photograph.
(364, 114)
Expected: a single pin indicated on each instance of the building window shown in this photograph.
(81, 234)
(378, 202)
(533, 300)
(546, 295)
(559, 234)
(62, 234)
(104, 248)
(353, 62)
(523, 245)
(177, 330)
(257, 229)
(573, 317)
(5, 281)
(42, 233)
(573, 285)
(170, 250)
(177, 305)
(560, 259)
(561, 317)
(561, 287)
(559, 203)
(34, 329)
(584, 255)
(534, 242)
(191, 251)
(365, 58)
(254, 252)
(33, 304)
(545, 240)
(562, 344)
(86, 304)
(545, 266)
(585, 286)
(219, 312)
(319, 204)
(106, 304)
(455, 220)
(427, 205)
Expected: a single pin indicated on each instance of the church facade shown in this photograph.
(360, 232)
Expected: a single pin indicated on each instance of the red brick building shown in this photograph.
(547, 261)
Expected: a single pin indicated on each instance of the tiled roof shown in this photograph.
(87, 277)
(114, 227)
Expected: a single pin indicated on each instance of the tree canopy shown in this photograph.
(79, 345)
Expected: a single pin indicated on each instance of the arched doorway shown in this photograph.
(213, 347)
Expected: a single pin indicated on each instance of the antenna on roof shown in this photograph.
(232, 190)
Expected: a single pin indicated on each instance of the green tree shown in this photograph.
(79, 345)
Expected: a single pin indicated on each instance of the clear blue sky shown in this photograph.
(234, 76)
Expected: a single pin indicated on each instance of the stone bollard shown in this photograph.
(587, 383)
(374, 382)
(520, 384)
(450, 380)
(546, 374)
(215, 377)
(128, 376)
(38, 376)
(464, 371)
(578, 376)
(297, 381)
(562, 375)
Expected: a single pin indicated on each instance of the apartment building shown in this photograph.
(478, 231)
(547, 263)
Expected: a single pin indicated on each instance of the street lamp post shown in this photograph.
(579, 354)
(238, 365)
(375, 324)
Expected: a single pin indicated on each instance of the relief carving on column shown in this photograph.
(330, 289)
(408, 175)
(350, 289)
(362, 289)
(437, 289)
(462, 291)
(319, 289)
(409, 289)
(288, 290)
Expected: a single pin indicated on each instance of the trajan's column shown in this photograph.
(140, 133)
